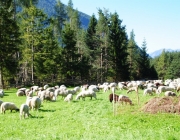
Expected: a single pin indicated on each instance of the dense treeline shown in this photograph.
(37, 49)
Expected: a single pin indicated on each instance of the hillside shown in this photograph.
(158, 52)
(48, 6)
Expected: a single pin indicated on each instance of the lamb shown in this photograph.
(170, 93)
(1, 93)
(123, 98)
(86, 93)
(24, 110)
(149, 91)
(68, 98)
(8, 106)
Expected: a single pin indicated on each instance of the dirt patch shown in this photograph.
(162, 105)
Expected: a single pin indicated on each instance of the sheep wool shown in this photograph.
(24, 110)
(8, 106)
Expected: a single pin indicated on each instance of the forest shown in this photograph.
(38, 49)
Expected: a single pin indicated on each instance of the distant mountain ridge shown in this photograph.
(48, 7)
(158, 52)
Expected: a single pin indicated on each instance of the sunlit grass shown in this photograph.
(87, 120)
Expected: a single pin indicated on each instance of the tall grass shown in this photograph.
(88, 120)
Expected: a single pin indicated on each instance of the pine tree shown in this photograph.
(143, 62)
(60, 18)
(102, 32)
(9, 39)
(118, 52)
(33, 22)
(69, 52)
(133, 51)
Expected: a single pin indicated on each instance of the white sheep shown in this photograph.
(163, 89)
(121, 86)
(8, 106)
(33, 102)
(135, 88)
(20, 92)
(170, 93)
(24, 111)
(68, 98)
(123, 98)
(86, 93)
(1, 93)
(149, 91)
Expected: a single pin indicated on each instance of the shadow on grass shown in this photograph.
(36, 117)
(46, 110)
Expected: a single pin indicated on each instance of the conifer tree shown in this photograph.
(118, 50)
(9, 40)
(143, 62)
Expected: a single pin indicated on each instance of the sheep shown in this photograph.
(8, 106)
(20, 93)
(24, 110)
(115, 97)
(121, 86)
(123, 98)
(86, 93)
(163, 89)
(1, 102)
(149, 91)
(170, 93)
(1, 93)
(33, 102)
(135, 88)
(68, 98)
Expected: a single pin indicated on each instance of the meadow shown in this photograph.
(88, 120)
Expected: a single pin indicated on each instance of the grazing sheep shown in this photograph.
(33, 102)
(8, 106)
(68, 98)
(149, 91)
(24, 111)
(121, 86)
(86, 93)
(77, 89)
(1, 93)
(125, 99)
(170, 93)
(163, 89)
(20, 93)
(116, 97)
(133, 89)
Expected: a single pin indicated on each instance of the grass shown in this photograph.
(88, 120)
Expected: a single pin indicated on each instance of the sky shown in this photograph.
(155, 21)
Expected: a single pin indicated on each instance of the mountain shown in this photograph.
(158, 52)
(48, 7)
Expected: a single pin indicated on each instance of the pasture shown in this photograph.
(88, 120)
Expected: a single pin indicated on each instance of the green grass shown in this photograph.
(88, 120)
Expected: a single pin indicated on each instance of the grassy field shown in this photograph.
(88, 120)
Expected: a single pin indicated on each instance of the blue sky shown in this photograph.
(156, 21)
